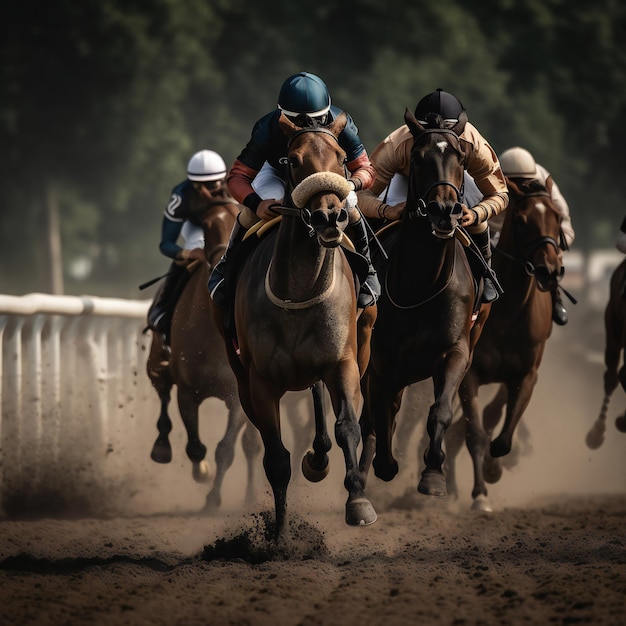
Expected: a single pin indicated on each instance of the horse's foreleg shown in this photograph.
(345, 394)
(447, 378)
(276, 459)
(225, 454)
(188, 404)
(492, 414)
(162, 450)
(315, 464)
(379, 410)
(519, 395)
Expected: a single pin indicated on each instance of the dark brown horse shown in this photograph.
(295, 317)
(527, 261)
(424, 326)
(615, 341)
(198, 366)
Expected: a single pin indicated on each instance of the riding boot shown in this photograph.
(161, 309)
(559, 312)
(370, 289)
(219, 275)
(482, 240)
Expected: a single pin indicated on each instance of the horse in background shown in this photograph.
(196, 363)
(527, 261)
(615, 341)
(296, 318)
(425, 327)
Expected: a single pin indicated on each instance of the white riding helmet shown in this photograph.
(518, 163)
(206, 165)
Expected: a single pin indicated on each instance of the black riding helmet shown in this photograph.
(441, 105)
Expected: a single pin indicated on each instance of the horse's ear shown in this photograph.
(513, 187)
(287, 126)
(339, 123)
(411, 121)
(459, 127)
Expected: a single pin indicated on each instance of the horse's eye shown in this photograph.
(294, 161)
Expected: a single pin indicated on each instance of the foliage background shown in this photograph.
(102, 103)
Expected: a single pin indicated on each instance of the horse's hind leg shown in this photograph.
(251, 443)
(225, 454)
(188, 404)
(315, 464)
(476, 440)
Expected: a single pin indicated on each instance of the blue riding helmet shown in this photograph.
(304, 93)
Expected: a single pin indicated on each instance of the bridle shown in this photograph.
(416, 207)
(526, 252)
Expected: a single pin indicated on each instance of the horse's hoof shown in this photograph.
(213, 503)
(311, 473)
(360, 512)
(201, 473)
(492, 470)
(481, 504)
(433, 483)
(595, 438)
(161, 453)
(385, 471)
(499, 448)
(620, 423)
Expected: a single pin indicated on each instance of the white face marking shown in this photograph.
(442, 145)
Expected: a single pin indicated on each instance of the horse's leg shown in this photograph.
(160, 377)
(343, 385)
(447, 378)
(365, 326)
(188, 405)
(612, 353)
(225, 454)
(315, 464)
(519, 395)
(251, 443)
(276, 459)
(492, 413)
(383, 404)
(476, 439)
(455, 437)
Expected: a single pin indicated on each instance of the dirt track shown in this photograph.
(553, 552)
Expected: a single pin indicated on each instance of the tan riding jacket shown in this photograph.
(393, 155)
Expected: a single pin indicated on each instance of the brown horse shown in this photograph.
(615, 341)
(424, 326)
(198, 366)
(295, 317)
(527, 261)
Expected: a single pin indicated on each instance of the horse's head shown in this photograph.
(436, 175)
(319, 188)
(217, 220)
(535, 225)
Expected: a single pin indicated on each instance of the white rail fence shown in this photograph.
(73, 379)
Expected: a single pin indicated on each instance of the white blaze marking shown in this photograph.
(442, 145)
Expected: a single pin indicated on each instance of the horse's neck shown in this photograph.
(423, 255)
(301, 268)
(519, 287)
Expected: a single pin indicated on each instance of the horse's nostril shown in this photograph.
(342, 215)
(319, 218)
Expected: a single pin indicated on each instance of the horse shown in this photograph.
(295, 318)
(528, 262)
(615, 341)
(424, 327)
(196, 363)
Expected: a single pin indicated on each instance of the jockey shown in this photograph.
(486, 194)
(519, 163)
(206, 174)
(257, 177)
